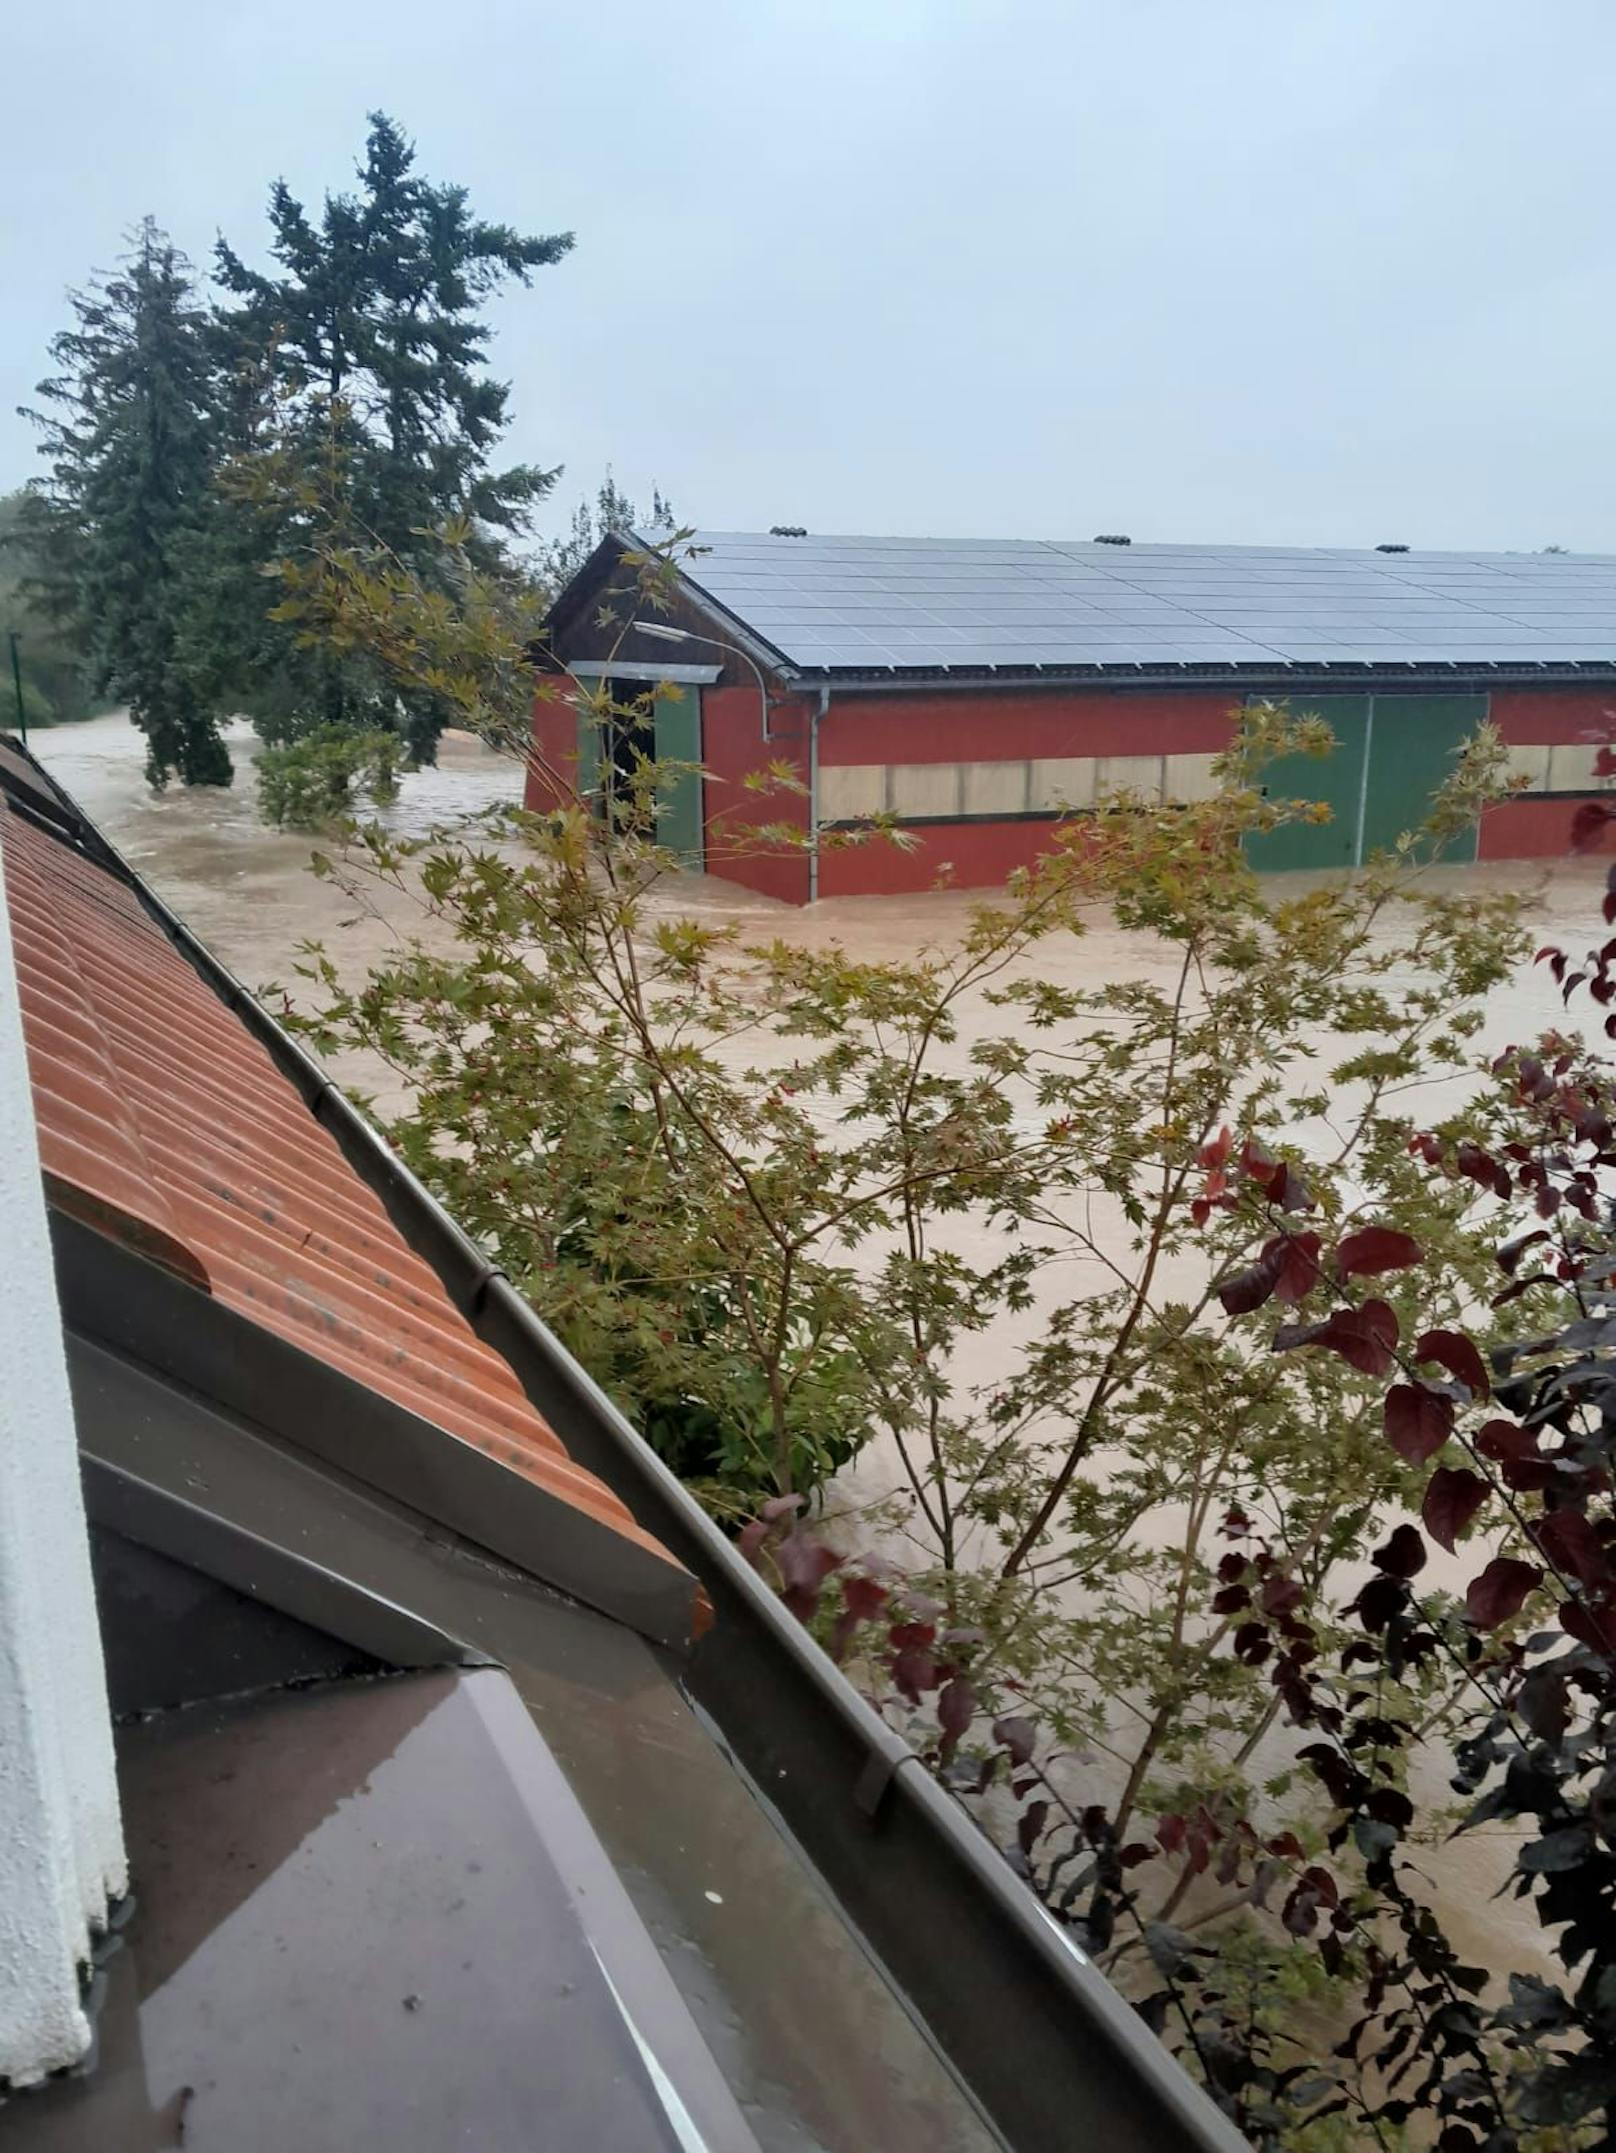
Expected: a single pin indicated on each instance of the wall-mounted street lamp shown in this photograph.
(666, 634)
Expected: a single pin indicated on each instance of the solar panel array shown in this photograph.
(875, 604)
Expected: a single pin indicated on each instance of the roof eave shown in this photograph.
(1455, 673)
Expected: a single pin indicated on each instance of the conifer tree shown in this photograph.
(117, 526)
(369, 339)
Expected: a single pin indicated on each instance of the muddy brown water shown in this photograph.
(248, 892)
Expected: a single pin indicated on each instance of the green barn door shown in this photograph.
(678, 740)
(1413, 742)
(1337, 779)
(588, 752)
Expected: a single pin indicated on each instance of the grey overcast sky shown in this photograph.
(1289, 271)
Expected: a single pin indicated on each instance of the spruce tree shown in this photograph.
(117, 525)
(369, 336)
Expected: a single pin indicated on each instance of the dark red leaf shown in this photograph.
(914, 1669)
(1417, 1421)
(751, 1537)
(1587, 825)
(1381, 1599)
(862, 1600)
(1301, 1911)
(805, 1563)
(1501, 1439)
(956, 1708)
(1403, 1555)
(1296, 1265)
(1018, 1736)
(1544, 1704)
(1458, 1355)
(862, 1596)
(779, 1506)
(1571, 1544)
(1258, 1162)
(1170, 1834)
(1452, 1499)
(1364, 1337)
(1280, 1593)
(1229, 1599)
(1510, 1252)
(1591, 1625)
(1500, 1591)
(1321, 1881)
(1482, 1168)
(1251, 1643)
(1377, 1248)
(1215, 1151)
(1030, 1824)
(1242, 1291)
(1529, 1476)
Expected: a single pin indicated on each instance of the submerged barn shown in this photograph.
(977, 690)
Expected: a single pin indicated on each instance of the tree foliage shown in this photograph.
(116, 528)
(57, 681)
(186, 440)
(363, 354)
(610, 510)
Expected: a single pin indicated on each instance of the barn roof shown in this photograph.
(879, 606)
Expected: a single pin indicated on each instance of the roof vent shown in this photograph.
(1112, 538)
(788, 530)
(1391, 549)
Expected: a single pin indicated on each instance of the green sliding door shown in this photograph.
(1336, 779)
(1392, 752)
(1413, 742)
(678, 740)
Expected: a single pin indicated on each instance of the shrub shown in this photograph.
(312, 782)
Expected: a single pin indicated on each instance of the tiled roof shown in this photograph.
(163, 1120)
(878, 605)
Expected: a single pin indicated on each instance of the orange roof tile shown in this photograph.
(161, 1115)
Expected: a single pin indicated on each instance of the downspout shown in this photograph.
(1363, 783)
(814, 717)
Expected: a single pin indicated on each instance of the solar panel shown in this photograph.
(928, 603)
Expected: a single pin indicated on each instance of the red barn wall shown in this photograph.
(553, 772)
(995, 726)
(732, 748)
(1535, 717)
(1004, 725)
(967, 855)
